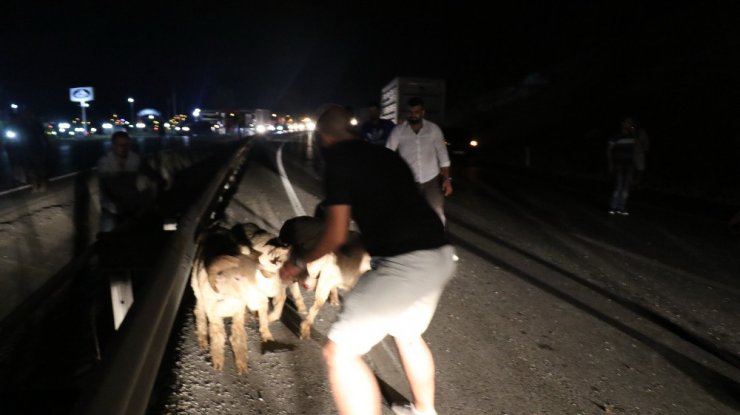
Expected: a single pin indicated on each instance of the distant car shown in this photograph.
(461, 142)
(196, 128)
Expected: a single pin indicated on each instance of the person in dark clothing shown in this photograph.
(125, 183)
(412, 263)
(28, 154)
(621, 156)
(376, 130)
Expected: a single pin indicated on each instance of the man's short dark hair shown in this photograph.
(415, 101)
(117, 134)
(336, 121)
(374, 104)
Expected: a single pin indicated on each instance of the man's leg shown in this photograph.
(432, 191)
(351, 381)
(619, 183)
(418, 364)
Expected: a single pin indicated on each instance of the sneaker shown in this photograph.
(612, 212)
(408, 409)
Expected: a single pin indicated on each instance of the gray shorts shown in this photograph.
(397, 297)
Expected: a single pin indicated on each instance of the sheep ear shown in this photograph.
(212, 282)
(232, 260)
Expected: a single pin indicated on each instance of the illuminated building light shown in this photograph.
(473, 143)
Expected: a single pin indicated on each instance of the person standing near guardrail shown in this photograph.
(28, 151)
(421, 143)
(412, 263)
(118, 171)
(621, 158)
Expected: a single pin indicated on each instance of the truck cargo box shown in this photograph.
(395, 95)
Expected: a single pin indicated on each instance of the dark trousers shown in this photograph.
(622, 183)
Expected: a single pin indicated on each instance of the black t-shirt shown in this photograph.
(392, 215)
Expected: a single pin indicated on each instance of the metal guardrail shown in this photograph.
(125, 381)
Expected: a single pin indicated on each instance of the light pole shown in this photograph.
(131, 103)
(84, 105)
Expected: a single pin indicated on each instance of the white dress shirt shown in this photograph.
(425, 151)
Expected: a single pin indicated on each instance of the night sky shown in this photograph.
(295, 57)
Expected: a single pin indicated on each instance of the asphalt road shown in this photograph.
(556, 306)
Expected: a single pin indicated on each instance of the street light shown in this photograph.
(84, 105)
(131, 103)
(14, 107)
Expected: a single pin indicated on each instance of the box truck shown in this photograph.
(395, 96)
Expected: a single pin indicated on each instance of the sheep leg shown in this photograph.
(295, 292)
(238, 341)
(334, 296)
(217, 333)
(277, 306)
(264, 322)
(323, 288)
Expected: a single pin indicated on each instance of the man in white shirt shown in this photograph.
(421, 143)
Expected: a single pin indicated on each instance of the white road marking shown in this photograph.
(297, 206)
